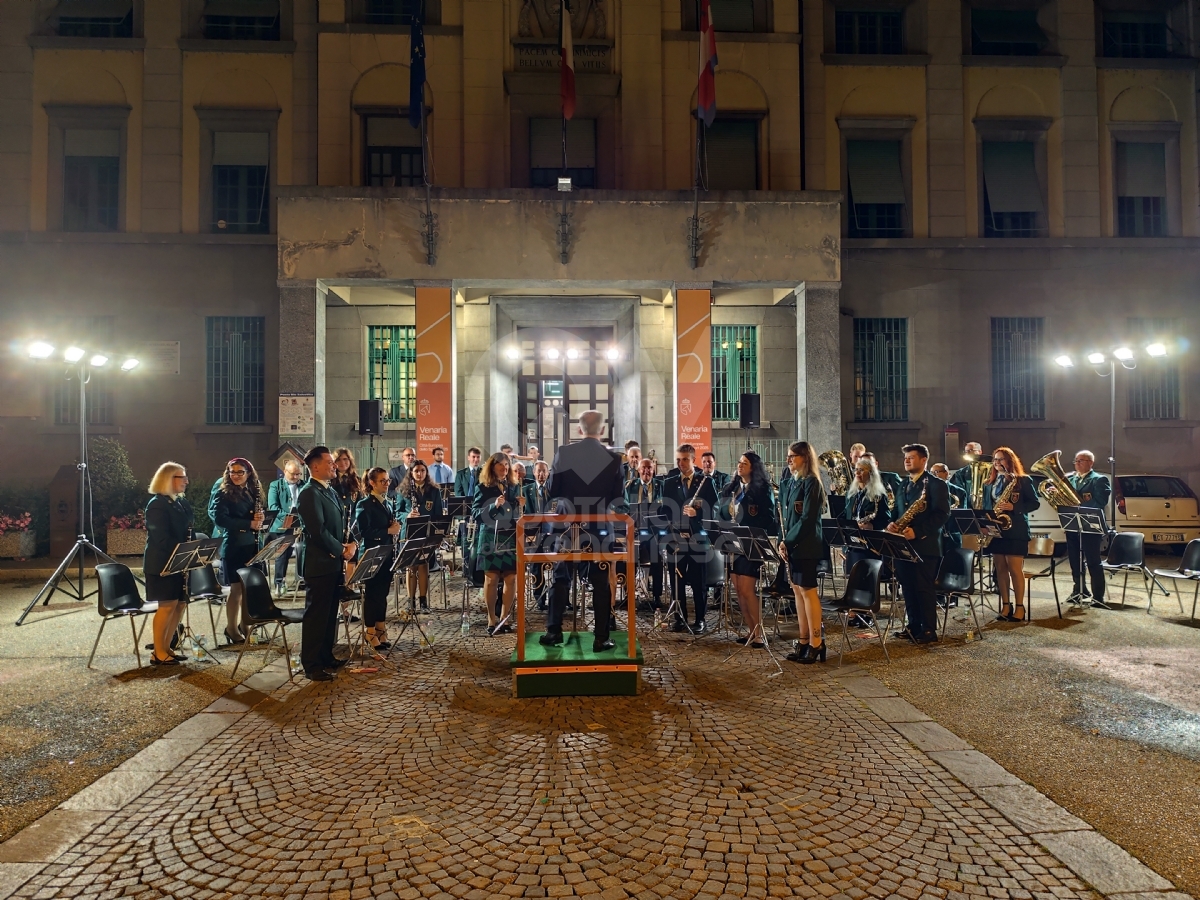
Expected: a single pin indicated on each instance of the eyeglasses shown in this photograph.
(184, 477)
(237, 472)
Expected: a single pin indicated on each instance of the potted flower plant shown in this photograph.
(17, 538)
(127, 534)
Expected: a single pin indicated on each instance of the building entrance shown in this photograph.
(564, 372)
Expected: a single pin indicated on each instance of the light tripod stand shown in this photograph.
(62, 580)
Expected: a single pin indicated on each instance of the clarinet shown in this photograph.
(258, 509)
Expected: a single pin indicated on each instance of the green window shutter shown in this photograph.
(873, 169)
(731, 155)
(1141, 170)
(1010, 177)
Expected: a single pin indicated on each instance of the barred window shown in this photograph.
(95, 333)
(881, 370)
(734, 369)
(1154, 384)
(392, 370)
(1018, 378)
(235, 370)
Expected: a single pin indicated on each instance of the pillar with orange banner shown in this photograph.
(693, 368)
(435, 372)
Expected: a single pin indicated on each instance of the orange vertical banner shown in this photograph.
(693, 368)
(435, 372)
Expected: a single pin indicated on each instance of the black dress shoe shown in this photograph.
(551, 639)
(335, 665)
(906, 635)
(318, 676)
(797, 656)
(679, 626)
(155, 661)
(930, 638)
(699, 628)
(601, 646)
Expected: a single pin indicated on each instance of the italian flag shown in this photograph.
(567, 53)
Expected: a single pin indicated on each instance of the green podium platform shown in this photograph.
(573, 670)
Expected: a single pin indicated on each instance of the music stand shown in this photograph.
(755, 545)
(679, 541)
(368, 566)
(410, 552)
(1083, 520)
(186, 556)
(726, 538)
(894, 547)
(979, 522)
(273, 550)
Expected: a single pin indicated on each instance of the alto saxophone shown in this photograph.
(1004, 520)
(912, 512)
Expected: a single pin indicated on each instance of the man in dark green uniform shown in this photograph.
(282, 498)
(1094, 492)
(924, 532)
(324, 566)
(708, 466)
(467, 477)
(961, 478)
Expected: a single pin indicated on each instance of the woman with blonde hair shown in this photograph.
(497, 506)
(801, 500)
(350, 489)
(238, 508)
(168, 524)
(1010, 492)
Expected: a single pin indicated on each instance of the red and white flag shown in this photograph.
(706, 87)
(567, 52)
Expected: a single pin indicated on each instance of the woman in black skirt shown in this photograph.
(349, 487)
(238, 508)
(168, 524)
(748, 500)
(417, 496)
(376, 526)
(497, 506)
(801, 500)
(1010, 492)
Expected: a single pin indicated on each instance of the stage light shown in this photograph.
(613, 354)
(1156, 349)
(1095, 358)
(1123, 353)
(552, 353)
(41, 350)
(98, 360)
(1065, 361)
(130, 363)
(73, 354)
(512, 353)
(572, 353)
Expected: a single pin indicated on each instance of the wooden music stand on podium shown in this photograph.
(572, 669)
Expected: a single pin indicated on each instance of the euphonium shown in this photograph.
(981, 471)
(838, 470)
(1056, 489)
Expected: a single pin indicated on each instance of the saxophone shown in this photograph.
(917, 507)
(1004, 520)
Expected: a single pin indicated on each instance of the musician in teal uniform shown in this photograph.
(1094, 492)
(417, 496)
(801, 502)
(1010, 496)
(749, 501)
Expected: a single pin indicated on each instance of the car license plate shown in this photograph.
(1167, 537)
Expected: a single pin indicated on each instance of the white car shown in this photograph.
(1161, 507)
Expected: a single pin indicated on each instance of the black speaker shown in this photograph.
(751, 405)
(370, 417)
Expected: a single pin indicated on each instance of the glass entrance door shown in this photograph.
(564, 372)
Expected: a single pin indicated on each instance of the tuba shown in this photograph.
(981, 470)
(1056, 489)
(838, 470)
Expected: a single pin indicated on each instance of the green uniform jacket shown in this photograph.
(217, 530)
(720, 480)
(428, 503)
(279, 498)
(1024, 500)
(1093, 488)
(321, 512)
(464, 484)
(537, 498)
(676, 495)
(168, 524)
(802, 501)
(639, 493)
(893, 483)
(961, 479)
(951, 533)
(926, 525)
(753, 512)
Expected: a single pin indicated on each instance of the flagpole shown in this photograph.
(694, 221)
(428, 219)
(562, 110)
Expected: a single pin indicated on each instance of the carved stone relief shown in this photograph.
(539, 19)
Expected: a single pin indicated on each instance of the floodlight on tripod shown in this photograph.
(83, 362)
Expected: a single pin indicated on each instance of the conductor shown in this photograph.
(586, 479)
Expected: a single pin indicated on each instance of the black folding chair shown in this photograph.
(956, 579)
(119, 596)
(260, 609)
(861, 596)
(203, 587)
(1127, 553)
(1188, 570)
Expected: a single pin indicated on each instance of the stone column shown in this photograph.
(818, 365)
(302, 345)
(947, 164)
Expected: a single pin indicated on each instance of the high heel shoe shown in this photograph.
(236, 638)
(812, 654)
(799, 650)
(1018, 614)
(1005, 616)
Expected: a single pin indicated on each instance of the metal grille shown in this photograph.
(1018, 379)
(235, 370)
(868, 32)
(392, 372)
(881, 370)
(95, 334)
(734, 369)
(1144, 35)
(1154, 384)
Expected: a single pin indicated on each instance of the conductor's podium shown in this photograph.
(573, 670)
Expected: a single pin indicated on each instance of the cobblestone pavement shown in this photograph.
(429, 780)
